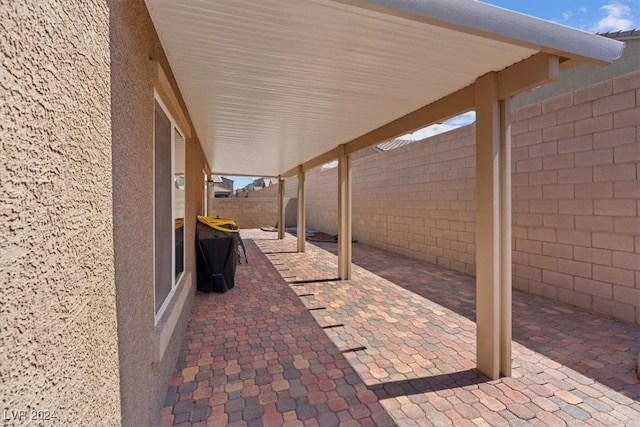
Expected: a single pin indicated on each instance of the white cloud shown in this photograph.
(330, 165)
(463, 119)
(617, 17)
(572, 18)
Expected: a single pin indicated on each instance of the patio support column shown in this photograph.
(505, 238)
(344, 214)
(302, 220)
(493, 254)
(281, 223)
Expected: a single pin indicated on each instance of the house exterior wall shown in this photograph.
(576, 198)
(143, 380)
(58, 334)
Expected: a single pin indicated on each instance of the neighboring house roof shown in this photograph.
(394, 143)
(218, 189)
(270, 181)
(258, 184)
(380, 148)
(221, 185)
(622, 35)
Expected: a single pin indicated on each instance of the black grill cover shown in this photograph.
(216, 259)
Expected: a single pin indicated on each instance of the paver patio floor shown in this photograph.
(291, 345)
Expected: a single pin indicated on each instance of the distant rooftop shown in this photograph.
(622, 35)
(394, 143)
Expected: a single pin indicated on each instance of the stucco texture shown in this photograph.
(134, 43)
(58, 335)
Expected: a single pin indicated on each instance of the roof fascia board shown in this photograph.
(483, 20)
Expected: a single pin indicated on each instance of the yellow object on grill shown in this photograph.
(220, 224)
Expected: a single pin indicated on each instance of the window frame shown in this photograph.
(205, 196)
(175, 281)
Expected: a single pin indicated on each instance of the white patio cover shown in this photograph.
(271, 84)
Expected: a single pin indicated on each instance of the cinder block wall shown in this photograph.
(321, 194)
(417, 200)
(247, 213)
(576, 229)
(257, 209)
(576, 197)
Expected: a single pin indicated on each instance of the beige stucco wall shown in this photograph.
(576, 198)
(58, 337)
(133, 43)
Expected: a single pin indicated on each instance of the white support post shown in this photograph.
(488, 229)
(505, 238)
(281, 223)
(344, 215)
(301, 212)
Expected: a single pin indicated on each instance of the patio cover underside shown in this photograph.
(277, 87)
(273, 84)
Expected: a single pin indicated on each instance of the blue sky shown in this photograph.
(588, 15)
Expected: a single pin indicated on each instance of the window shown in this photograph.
(205, 195)
(169, 205)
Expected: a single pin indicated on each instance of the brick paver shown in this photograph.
(291, 345)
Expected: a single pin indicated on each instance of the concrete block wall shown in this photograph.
(247, 213)
(259, 208)
(417, 200)
(321, 194)
(576, 198)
